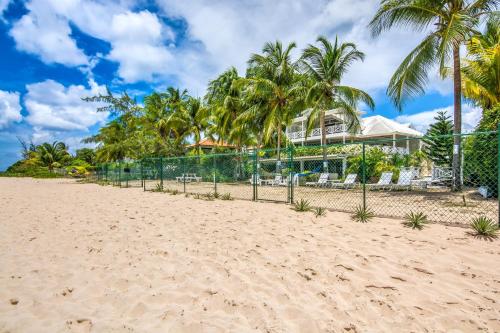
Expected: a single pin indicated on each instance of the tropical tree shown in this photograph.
(450, 23)
(115, 141)
(280, 92)
(53, 154)
(481, 71)
(326, 65)
(189, 120)
(439, 140)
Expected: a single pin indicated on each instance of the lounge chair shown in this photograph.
(278, 181)
(404, 180)
(322, 180)
(383, 182)
(349, 182)
(255, 180)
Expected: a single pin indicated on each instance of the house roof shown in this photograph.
(207, 143)
(379, 125)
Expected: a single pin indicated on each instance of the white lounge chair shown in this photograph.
(322, 180)
(278, 181)
(255, 180)
(349, 182)
(383, 182)
(404, 180)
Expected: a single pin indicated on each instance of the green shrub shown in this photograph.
(415, 220)
(216, 195)
(174, 192)
(484, 227)
(302, 206)
(158, 188)
(362, 214)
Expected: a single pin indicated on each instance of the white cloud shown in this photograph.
(3, 5)
(46, 34)
(10, 109)
(421, 121)
(52, 106)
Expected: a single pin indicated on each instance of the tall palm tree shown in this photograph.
(273, 81)
(52, 154)
(450, 24)
(481, 70)
(326, 65)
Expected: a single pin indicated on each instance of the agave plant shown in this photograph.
(197, 196)
(158, 188)
(226, 196)
(302, 206)
(415, 220)
(216, 195)
(320, 211)
(209, 196)
(484, 227)
(362, 214)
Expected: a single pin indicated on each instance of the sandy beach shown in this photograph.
(90, 258)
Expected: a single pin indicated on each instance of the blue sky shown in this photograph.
(54, 52)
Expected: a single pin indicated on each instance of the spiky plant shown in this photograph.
(174, 192)
(158, 188)
(209, 196)
(415, 220)
(320, 211)
(484, 227)
(362, 214)
(197, 196)
(302, 206)
(226, 196)
(216, 195)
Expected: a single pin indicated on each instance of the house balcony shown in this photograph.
(316, 132)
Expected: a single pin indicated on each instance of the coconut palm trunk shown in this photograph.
(323, 139)
(278, 162)
(457, 118)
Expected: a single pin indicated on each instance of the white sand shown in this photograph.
(88, 258)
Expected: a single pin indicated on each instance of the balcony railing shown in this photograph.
(316, 132)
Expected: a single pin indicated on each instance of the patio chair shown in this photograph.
(383, 182)
(349, 182)
(279, 181)
(404, 180)
(255, 180)
(322, 180)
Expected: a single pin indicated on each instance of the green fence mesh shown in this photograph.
(390, 177)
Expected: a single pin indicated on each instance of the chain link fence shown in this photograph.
(390, 177)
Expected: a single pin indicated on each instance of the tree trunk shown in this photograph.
(323, 139)
(457, 119)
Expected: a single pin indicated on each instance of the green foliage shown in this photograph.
(302, 206)
(415, 220)
(86, 155)
(319, 211)
(158, 188)
(362, 215)
(209, 196)
(484, 227)
(439, 140)
(216, 195)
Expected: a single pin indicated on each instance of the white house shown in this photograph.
(400, 138)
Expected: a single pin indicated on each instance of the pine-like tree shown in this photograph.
(439, 140)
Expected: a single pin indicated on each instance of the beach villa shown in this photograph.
(391, 134)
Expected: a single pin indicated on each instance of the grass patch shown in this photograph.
(362, 215)
(158, 188)
(226, 196)
(415, 220)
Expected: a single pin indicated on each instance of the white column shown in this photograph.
(394, 141)
(408, 145)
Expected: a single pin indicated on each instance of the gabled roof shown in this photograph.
(378, 125)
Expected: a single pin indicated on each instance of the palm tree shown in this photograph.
(274, 82)
(450, 24)
(52, 154)
(325, 65)
(481, 72)
(116, 141)
(190, 120)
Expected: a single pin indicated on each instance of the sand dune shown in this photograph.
(87, 258)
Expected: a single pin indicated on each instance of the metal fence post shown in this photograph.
(291, 173)
(498, 173)
(255, 174)
(120, 173)
(161, 172)
(184, 173)
(363, 176)
(214, 166)
(143, 181)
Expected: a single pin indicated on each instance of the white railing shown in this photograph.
(332, 129)
(394, 150)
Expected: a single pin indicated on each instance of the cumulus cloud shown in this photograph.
(10, 108)
(421, 121)
(46, 34)
(52, 106)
